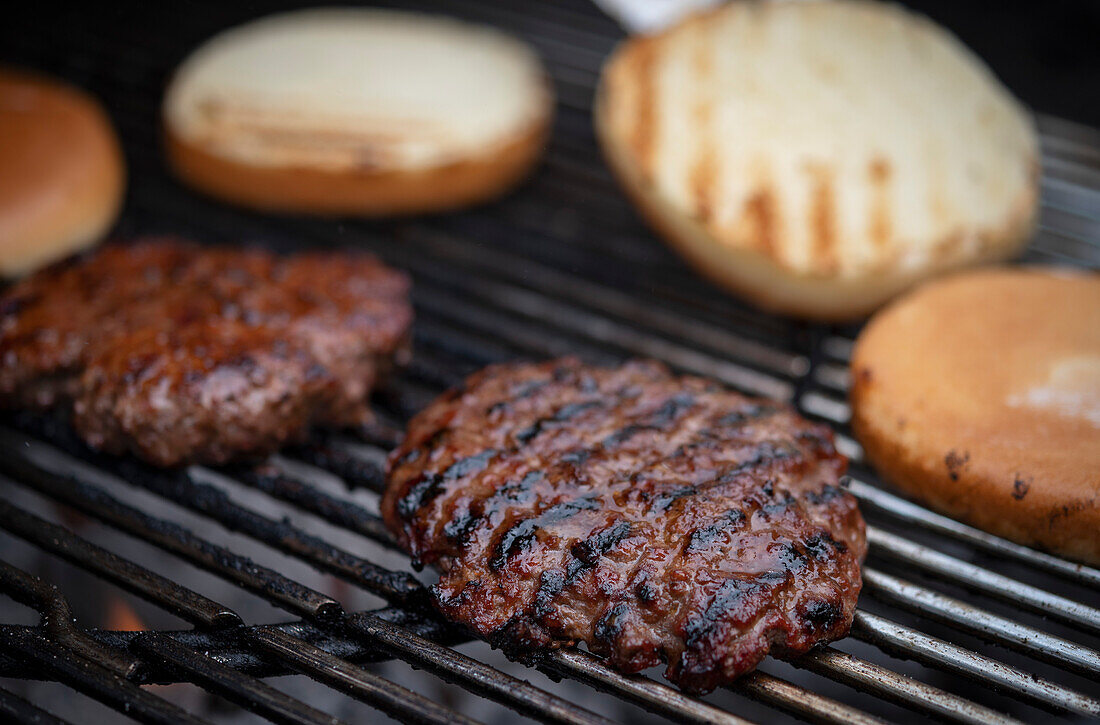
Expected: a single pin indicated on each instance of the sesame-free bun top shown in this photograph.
(819, 156)
(979, 394)
(345, 96)
(61, 171)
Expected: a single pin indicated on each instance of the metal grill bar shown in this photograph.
(57, 540)
(238, 687)
(341, 512)
(310, 660)
(935, 652)
(654, 696)
(602, 330)
(210, 501)
(872, 497)
(246, 691)
(345, 461)
(867, 676)
(1035, 643)
(94, 680)
(801, 702)
(42, 469)
(71, 655)
(231, 648)
(393, 699)
(358, 465)
(976, 578)
(476, 676)
(15, 709)
(57, 618)
(612, 302)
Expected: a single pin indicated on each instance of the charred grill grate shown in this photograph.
(563, 266)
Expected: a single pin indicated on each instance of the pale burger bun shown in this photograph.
(819, 157)
(61, 171)
(357, 111)
(979, 395)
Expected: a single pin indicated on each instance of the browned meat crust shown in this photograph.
(656, 518)
(180, 353)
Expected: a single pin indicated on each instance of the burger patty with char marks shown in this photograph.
(180, 353)
(656, 518)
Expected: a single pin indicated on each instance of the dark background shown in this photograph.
(1047, 52)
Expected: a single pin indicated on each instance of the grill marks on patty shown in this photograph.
(657, 518)
(180, 353)
(607, 450)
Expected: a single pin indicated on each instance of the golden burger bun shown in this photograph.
(819, 157)
(62, 175)
(979, 395)
(357, 111)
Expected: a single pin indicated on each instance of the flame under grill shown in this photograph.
(563, 266)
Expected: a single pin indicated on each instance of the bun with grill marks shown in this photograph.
(819, 157)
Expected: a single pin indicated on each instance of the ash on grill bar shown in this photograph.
(273, 590)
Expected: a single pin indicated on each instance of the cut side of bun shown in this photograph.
(350, 111)
(819, 157)
(62, 175)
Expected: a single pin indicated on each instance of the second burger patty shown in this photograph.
(656, 518)
(180, 353)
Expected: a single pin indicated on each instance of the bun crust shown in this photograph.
(365, 192)
(61, 171)
(819, 157)
(980, 396)
(352, 111)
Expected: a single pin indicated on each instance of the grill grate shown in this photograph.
(997, 631)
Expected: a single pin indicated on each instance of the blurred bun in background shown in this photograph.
(353, 111)
(819, 157)
(62, 175)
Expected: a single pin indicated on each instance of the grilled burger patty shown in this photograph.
(656, 518)
(180, 353)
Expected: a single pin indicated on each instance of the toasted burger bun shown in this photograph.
(819, 157)
(980, 395)
(356, 111)
(61, 171)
